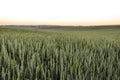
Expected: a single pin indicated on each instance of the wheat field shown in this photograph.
(60, 54)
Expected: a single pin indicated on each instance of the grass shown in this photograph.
(60, 53)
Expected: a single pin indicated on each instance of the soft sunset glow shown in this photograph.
(68, 12)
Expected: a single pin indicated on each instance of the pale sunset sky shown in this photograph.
(60, 12)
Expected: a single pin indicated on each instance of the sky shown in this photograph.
(64, 12)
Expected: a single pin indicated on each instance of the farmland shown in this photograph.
(75, 53)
